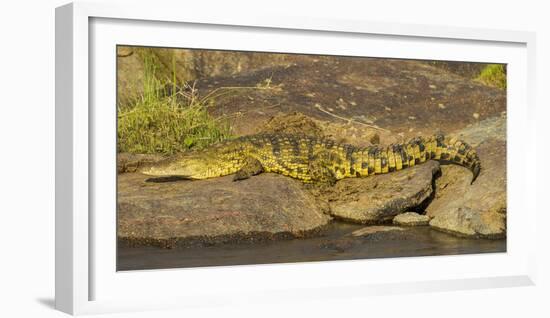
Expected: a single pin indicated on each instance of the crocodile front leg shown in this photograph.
(250, 168)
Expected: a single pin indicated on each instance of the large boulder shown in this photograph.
(395, 98)
(377, 199)
(217, 210)
(478, 209)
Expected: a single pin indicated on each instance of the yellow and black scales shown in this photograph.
(311, 159)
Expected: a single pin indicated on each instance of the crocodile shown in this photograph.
(309, 159)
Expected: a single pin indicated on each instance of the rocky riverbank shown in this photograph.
(351, 100)
(270, 206)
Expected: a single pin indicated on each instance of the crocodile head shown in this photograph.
(188, 166)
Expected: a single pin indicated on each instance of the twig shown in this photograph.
(319, 107)
(126, 113)
(236, 114)
(209, 95)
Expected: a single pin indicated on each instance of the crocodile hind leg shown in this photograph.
(320, 171)
(250, 168)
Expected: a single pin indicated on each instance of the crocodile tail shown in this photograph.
(456, 151)
(419, 150)
(446, 150)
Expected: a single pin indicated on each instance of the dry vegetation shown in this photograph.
(167, 117)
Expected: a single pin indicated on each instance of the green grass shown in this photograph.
(167, 118)
(493, 75)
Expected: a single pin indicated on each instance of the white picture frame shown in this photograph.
(86, 281)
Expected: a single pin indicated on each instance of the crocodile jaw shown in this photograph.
(187, 171)
(193, 168)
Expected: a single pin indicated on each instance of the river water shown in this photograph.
(337, 243)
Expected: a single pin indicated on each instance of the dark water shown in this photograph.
(336, 244)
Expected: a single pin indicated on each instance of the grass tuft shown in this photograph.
(167, 118)
(493, 75)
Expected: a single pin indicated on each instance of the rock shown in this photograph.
(215, 210)
(358, 237)
(378, 199)
(369, 230)
(365, 92)
(379, 233)
(478, 209)
(411, 219)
